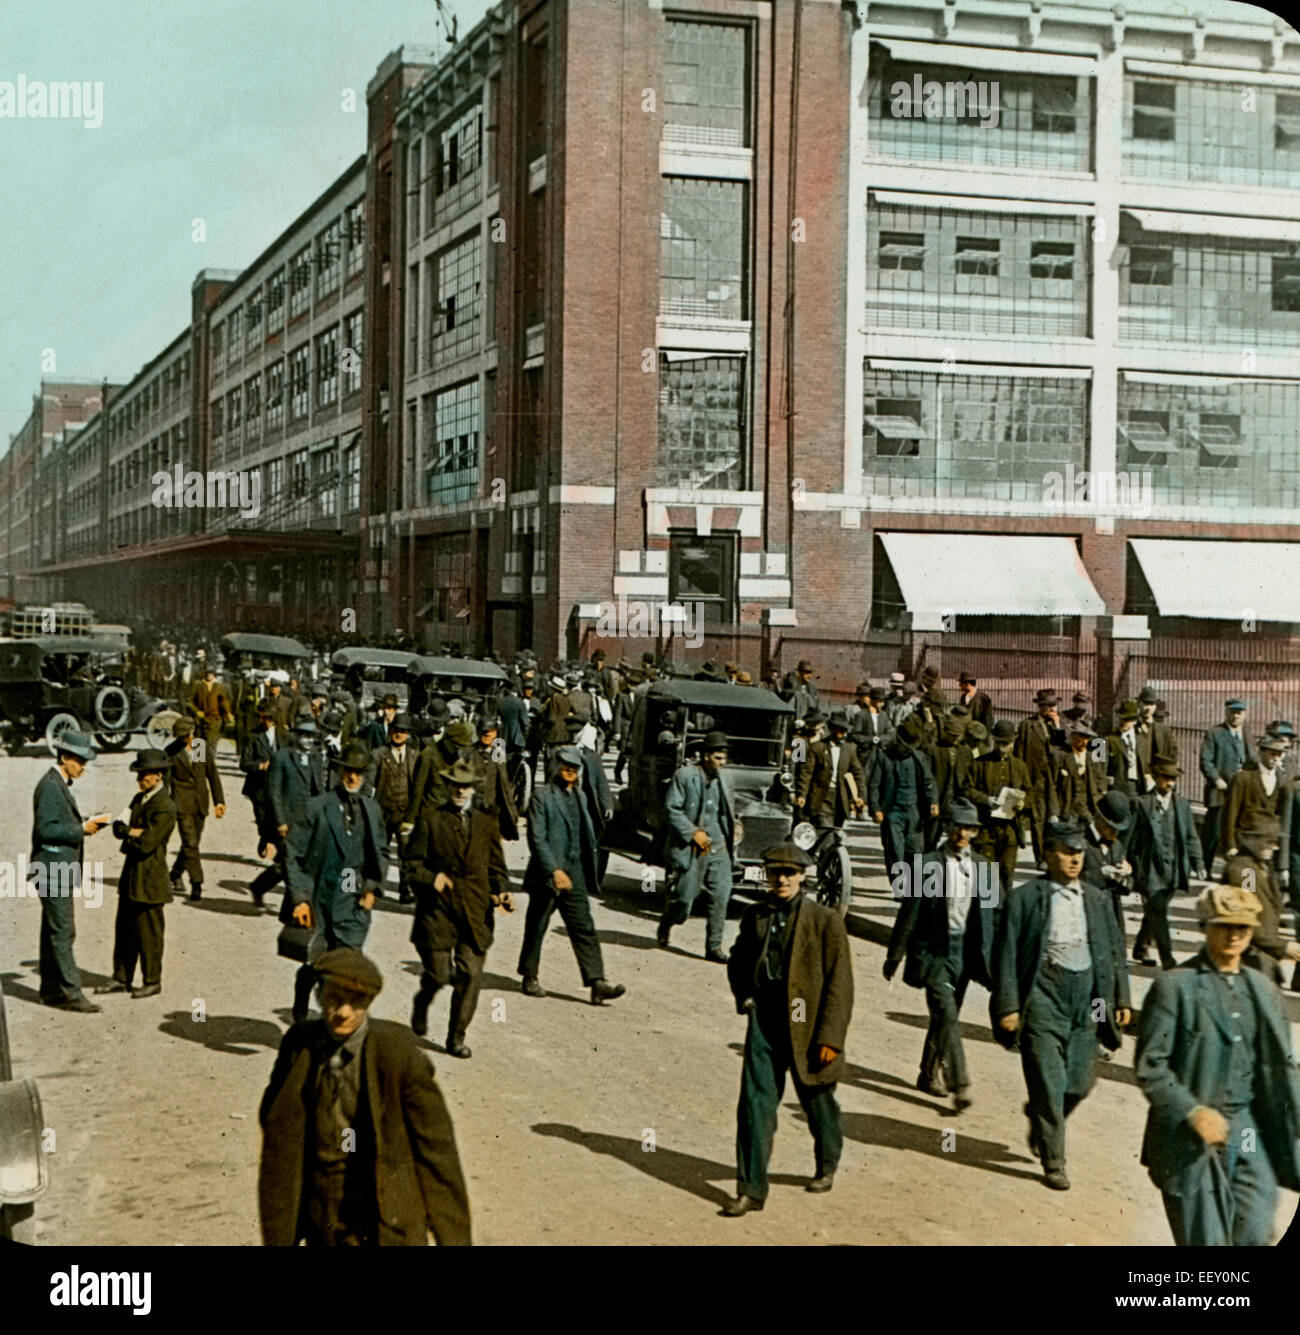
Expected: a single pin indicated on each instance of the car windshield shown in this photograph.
(757, 739)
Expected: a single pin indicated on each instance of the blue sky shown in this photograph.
(228, 110)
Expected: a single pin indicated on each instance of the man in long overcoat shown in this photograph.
(192, 776)
(1225, 750)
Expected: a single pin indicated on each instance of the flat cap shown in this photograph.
(183, 727)
(349, 966)
(717, 741)
(1066, 834)
(976, 731)
(1234, 703)
(962, 812)
(569, 755)
(461, 733)
(786, 855)
(1229, 904)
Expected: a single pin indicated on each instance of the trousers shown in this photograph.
(187, 858)
(762, 1083)
(575, 912)
(137, 936)
(944, 993)
(451, 956)
(1210, 827)
(60, 980)
(1155, 925)
(711, 874)
(900, 833)
(1058, 1053)
(1234, 1203)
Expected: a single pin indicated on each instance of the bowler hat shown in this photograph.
(183, 727)
(1163, 767)
(1114, 809)
(461, 774)
(150, 761)
(1003, 730)
(437, 709)
(786, 855)
(569, 755)
(389, 701)
(349, 966)
(1065, 834)
(839, 719)
(401, 723)
(878, 693)
(488, 724)
(962, 812)
(75, 744)
(1229, 904)
(1128, 710)
(716, 741)
(1146, 696)
(356, 755)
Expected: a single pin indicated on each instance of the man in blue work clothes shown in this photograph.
(701, 839)
(1225, 750)
(1059, 986)
(903, 794)
(1214, 1059)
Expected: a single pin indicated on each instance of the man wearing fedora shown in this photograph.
(831, 784)
(947, 942)
(1225, 750)
(1080, 780)
(357, 1146)
(898, 703)
(455, 862)
(902, 795)
(1059, 987)
(1153, 737)
(255, 761)
(375, 733)
(297, 774)
(701, 841)
(975, 700)
(791, 973)
(561, 871)
(395, 764)
(953, 765)
(1165, 854)
(429, 786)
(1215, 1061)
(191, 777)
(335, 863)
(1254, 793)
(1105, 860)
(800, 689)
(58, 847)
(145, 887)
(1037, 739)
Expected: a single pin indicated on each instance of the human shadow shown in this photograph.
(237, 1035)
(948, 1145)
(239, 908)
(233, 857)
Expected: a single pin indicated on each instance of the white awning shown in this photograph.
(979, 574)
(1199, 381)
(1207, 224)
(1215, 74)
(1222, 581)
(986, 58)
(977, 203)
(978, 368)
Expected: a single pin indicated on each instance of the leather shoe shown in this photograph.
(1141, 957)
(458, 1050)
(739, 1205)
(935, 1086)
(196, 892)
(532, 988)
(149, 990)
(420, 1017)
(662, 934)
(1056, 1179)
(603, 991)
(717, 956)
(114, 986)
(822, 1182)
(961, 1100)
(77, 1004)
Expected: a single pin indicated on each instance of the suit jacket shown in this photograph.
(1288, 853)
(291, 784)
(813, 781)
(516, 721)
(1036, 739)
(58, 833)
(393, 781)
(980, 706)
(317, 855)
(496, 794)
(1077, 795)
(595, 790)
(953, 766)
(212, 703)
(405, 1135)
(1219, 761)
(145, 878)
(189, 781)
(992, 773)
(1117, 766)
(921, 928)
(1143, 849)
(1097, 856)
(552, 837)
(1183, 1053)
(1019, 948)
(1158, 739)
(884, 785)
(819, 973)
(1246, 799)
(477, 868)
(429, 786)
(258, 748)
(683, 804)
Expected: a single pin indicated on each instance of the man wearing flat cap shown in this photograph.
(701, 841)
(455, 862)
(1037, 739)
(901, 793)
(1225, 750)
(429, 786)
(791, 974)
(58, 847)
(144, 829)
(1059, 987)
(561, 871)
(1080, 779)
(1251, 868)
(1165, 854)
(1254, 793)
(192, 776)
(945, 929)
(357, 1146)
(1215, 1061)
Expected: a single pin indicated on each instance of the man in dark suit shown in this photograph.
(395, 764)
(1036, 740)
(144, 886)
(560, 871)
(297, 774)
(976, 701)
(58, 845)
(1154, 738)
(1080, 778)
(953, 766)
(1002, 837)
(944, 929)
(1254, 793)
(357, 1146)
(1224, 751)
(496, 794)
(429, 786)
(375, 733)
(1221, 1080)
(192, 776)
(336, 861)
(255, 761)
(1105, 860)
(801, 690)
(902, 795)
(455, 862)
(282, 707)
(831, 785)
(701, 842)
(791, 974)
(1251, 868)
(1058, 965)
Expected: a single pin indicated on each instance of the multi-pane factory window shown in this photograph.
(275, 298)
(351, 477)
(235, 418)
(329, 258)
(218, 420)
(702, 249)
(354, 236)
(300, 282)
(456, 305)
(352, 340)
(1207, 290)
(218, 355)
(299, 474)
(970, 436)
(452, 427)
(1229, 444)
(299, 382)
(325, 480)
(702, 423)
(1043, 120)
(235, 335)
(253, 405)
(327, 367)
(979, 273)
(254, 313)
(1203, 130)
(706, 83)
(275, 480)
(414, 189)
(459, 166)
(275, 395)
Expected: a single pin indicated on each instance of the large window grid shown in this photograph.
(299, 382)
(706, 80)
(353, 339)
(1044, 120)
(456, 306)
(458, 169)
(452, 428)
(979, 273)
(329, 258)
(970, 436)
(325, 480)
(275, 395)
(354, 236)
(702, 269)
(702, 433)
(300, 282)
(327, 367)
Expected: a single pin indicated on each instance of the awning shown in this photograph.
(978, 574)
(1222, 581)
(1215, 74)
(978, 368)
(979, 203)
(986, 58)
(1207, 224)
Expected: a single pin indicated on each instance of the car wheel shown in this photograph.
(835, 880)
(112, 741)
(58, 725)
(523, 786)
(159, 728)
(112, 709)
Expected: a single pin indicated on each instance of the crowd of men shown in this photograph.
(337, 797)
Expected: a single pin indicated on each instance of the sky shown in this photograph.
(225, 110)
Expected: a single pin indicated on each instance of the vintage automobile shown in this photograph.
(477, 682)
(668, 728)
(52, 683)
(243, 651)
(371, 673)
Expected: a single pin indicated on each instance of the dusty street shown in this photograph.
(576, 1124)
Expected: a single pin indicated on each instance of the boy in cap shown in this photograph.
(1225, 1096)
(144, 887)
(191, 777)
(1225, 750)
(1165, 854)
(947, 941)
(357, 1146)
(1059, 986)
(791, 974)
(1255, 792)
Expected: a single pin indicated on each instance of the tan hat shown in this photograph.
(1228, 904)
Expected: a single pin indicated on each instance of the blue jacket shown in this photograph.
(516, 720)
(257, 749)
(1219, 761)
(555, 843)
(1143, 850)
(682, 805)
(883, 795)
(316, 861)
(921, 926)
(291, 783)
(58, 835)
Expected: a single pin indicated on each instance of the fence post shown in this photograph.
(1121, 645)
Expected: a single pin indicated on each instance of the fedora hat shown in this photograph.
(150, 761)
(75, 744)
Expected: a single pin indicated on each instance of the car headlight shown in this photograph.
(804, 835)
(740, 831)
(787, 779)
